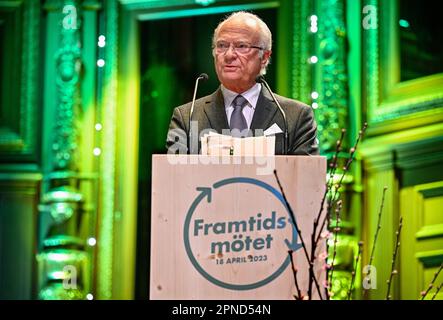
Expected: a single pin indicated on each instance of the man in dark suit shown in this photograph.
(242, 48)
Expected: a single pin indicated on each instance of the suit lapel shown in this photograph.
(216, 113)
(264, 111)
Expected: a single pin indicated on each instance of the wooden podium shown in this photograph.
(220, 228)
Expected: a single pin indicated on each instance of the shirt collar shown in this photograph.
(251, 95)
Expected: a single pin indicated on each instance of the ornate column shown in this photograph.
(331, 104)
(331, 72)
(302, 44)
(63, 263)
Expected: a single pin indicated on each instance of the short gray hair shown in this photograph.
(265, 34)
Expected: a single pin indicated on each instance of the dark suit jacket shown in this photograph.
(210, 113)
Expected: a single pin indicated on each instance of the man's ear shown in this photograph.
(266, 57)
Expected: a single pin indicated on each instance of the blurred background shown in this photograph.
(87, 89)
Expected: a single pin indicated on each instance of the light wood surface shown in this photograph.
(176, 200)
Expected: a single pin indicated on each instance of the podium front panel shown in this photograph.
(223, 231)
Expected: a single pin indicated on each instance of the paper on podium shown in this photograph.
(215, 144)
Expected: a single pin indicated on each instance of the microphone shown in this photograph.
(261, 79)
(203, 77)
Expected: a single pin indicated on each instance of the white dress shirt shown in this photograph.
(250, 95)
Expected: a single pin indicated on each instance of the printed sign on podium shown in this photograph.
(223, 231)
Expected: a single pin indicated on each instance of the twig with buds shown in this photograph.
(336, 230)
(378, 225)
(333, 168)
(334, 197)
(393, 271)
(333, 164)
(291, 212)
(431, 285)
(329, 183)
(351, 286)
(298, 296)
(345, 170)
(316, 234)
(326, 266)
(436, 292)
(376, 233)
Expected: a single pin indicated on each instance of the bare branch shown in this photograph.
(345, 170)
(393, 271)
(351, 286)
(376, 233)
(335, 230)
(431, 285)
(294, 272)
(291, 212)
(436, 292)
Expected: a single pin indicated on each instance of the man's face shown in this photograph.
(236, 71)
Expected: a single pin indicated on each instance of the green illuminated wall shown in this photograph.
(403, 151)
(81, 116)
(20, 177)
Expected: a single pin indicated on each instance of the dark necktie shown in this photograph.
(238, 120)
